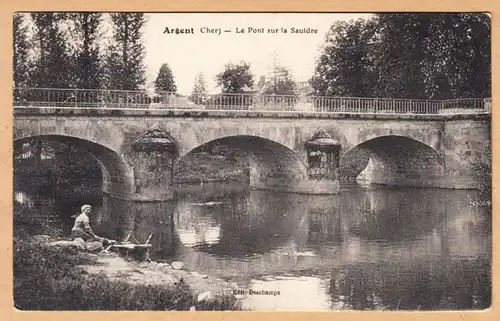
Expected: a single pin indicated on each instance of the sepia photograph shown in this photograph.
(252, 161)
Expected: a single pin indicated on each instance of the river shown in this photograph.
(368, 248)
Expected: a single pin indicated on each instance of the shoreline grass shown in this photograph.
(48, 279)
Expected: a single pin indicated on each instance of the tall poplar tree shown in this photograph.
(165, 80)
(53, 66)
(279, 81)
(88, 65)
(21, 52)
(124, 57)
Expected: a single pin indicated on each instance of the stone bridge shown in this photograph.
(404, 150)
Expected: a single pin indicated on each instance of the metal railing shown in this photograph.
(124, 99)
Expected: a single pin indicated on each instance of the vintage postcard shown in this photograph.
(252, 161)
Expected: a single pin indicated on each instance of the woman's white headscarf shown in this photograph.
(85, 206)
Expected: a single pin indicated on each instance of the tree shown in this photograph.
(53, 64)
(402, 54)
(434, 55)
(21, 52)
(439, 86)
(279, 81)
(467, 53)
(88, 65)
(234, 78)
(405, 55)
(124, 57)
(165, 80)
(199, 93)
(346, 64)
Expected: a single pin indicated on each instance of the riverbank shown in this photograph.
(48, 278)
(202, 167)
(115, 268)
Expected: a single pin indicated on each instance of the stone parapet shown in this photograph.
(145, 112)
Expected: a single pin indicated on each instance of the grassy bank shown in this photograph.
(49, 279)
(206, 167)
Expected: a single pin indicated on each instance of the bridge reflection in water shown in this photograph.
(363, 249)
(366, 248)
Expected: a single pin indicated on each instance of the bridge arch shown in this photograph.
(264, 158)
(393, 160)
(117, 175)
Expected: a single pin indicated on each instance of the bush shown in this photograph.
(481, 170)
(60, 169)
(48, 279)
(223, 166)
(33, 221)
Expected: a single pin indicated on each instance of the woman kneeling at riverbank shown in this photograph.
(82, 228)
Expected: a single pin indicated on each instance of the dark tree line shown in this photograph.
(65, 50)
(52, 64)
(418, 56)
(21, 52)
(124, 59)
(88, 66)
(64, 168)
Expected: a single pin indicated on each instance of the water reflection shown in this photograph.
(118, 218)
(367, 248)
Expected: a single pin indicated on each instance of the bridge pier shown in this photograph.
(322, 176)
(152, 157)
(323, 163)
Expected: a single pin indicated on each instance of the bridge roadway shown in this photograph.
(419, 150)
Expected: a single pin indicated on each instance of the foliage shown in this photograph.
(46, 278)
(403, 51)
(60, 167)
(279, 82)
(461, 49)
(405, 55)
(53, 62)
(88, 64)
(124, 68)
(234, 78)
(64, 51)
(345, 67)
(199, 93)
(67, 159)
(165, 80)
(33, 221)
(21, 52)
(481, 170)
(204, 166)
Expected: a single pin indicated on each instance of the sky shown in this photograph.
(189, 54)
